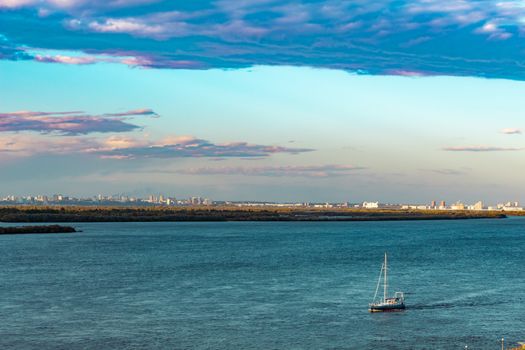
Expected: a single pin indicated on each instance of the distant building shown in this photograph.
(509, 206)
(370, 205)
(512, 208)
(196, 200)
(433, 204)
(457, 206)
(478, 206)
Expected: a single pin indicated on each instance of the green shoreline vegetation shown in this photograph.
(33, 214)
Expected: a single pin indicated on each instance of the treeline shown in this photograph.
(223, 213)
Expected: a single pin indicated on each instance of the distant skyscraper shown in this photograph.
(433, 204)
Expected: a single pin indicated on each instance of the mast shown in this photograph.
(385, 283)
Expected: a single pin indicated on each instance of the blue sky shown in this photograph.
(264, 100)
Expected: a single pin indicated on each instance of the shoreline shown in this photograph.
(223, 214)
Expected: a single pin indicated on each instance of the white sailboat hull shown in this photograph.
(384, 307)
(396, 303)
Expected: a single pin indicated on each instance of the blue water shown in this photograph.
(263, 286)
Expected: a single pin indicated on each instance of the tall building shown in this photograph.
(433, 204)
(478, 206)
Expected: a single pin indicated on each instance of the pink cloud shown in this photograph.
(30, 145)
(192, 147)
(120, 57)
(122, 147)
(67, 59)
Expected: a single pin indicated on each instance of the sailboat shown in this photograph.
(395, 303)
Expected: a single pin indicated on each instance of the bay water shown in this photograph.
(264, 285)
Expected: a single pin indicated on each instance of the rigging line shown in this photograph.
(379, 281)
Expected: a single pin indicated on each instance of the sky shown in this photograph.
(391, 101)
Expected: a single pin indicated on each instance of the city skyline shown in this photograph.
(406, 105)
(175, 200)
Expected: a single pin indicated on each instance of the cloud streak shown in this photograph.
(134, 112)
(313, 171)
(448, 172)
(191, 147)
(481, 149)
(125, 147)
(407, 38)
(69, 122)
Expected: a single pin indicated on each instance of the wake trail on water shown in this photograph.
(475, 299)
